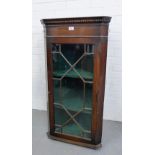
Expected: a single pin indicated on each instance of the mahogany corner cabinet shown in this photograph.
(76, 50)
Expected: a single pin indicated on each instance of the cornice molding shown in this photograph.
(82, 20)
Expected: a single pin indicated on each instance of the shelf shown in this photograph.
(85, 111)
(85, 74)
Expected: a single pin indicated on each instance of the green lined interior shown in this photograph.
(72, 99)
(83, 119)
(72, 91)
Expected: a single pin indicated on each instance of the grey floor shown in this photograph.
(41, 145)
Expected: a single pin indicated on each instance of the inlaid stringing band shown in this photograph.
(48, 36)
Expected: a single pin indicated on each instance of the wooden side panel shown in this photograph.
(99, 88)
(95, 90)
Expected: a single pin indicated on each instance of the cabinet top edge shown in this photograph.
(77, 20)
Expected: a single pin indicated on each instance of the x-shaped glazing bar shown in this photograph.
(72, 118)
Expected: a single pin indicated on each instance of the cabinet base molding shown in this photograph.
(92, 146)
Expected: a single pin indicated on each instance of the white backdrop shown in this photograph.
(79, 8)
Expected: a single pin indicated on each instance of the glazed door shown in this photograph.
(73, 72)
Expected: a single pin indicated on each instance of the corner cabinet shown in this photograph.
(76, 51)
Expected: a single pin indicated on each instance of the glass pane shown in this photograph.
(56, 91)
(60, 66)
(85, 67)
(72, 93)
(60, 118)
(84, 119)
(73, 87)
(88, 96)
(89, 48)
(72, 52)
(55, 47)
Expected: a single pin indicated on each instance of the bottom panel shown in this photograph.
(92, 146)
